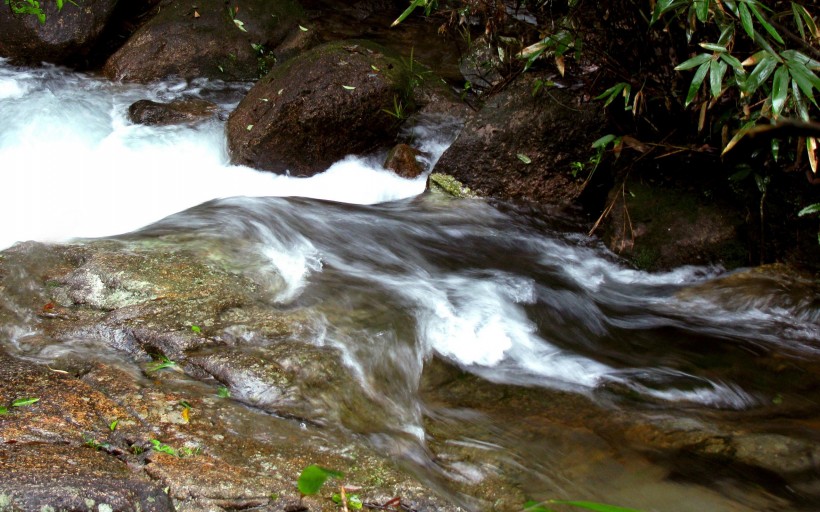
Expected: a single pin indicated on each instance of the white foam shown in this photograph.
(71, 165)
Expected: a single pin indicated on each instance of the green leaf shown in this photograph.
(613, 92)
(603, 141)
(695, 61)
(23, 402)
(732, 61)
(806, 80)
(713, 47)
(3, 410)
(780, 90)
(303, 29)
(59, 5)
(113, 425)
(802, 58)
(746, 19)
(810, 24)
(196, 328)
(697, 80)
(702, 10)
(163, 363)
(223, 392)
(739, 135)
(766, 25)
(812, 208)
(524, 158)
(726, 35)
(163, 448)
(717, 70)
(534, 506)
(596, 507)
(759, 74)
(240, 25)
(798, 21)
(800, 102)
(408, 11)
(313, 478)
(348, 87)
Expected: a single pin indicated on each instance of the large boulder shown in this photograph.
(64, 36)
(521, 146)
(337, 99)
(211, 38)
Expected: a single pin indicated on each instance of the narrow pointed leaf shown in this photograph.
(726, 35)
(755, 58)
(603, 141)
(804, 78)
(811, 148)
(739, 135)
(713, 47)
(760, 74)
(716, 71)
(764, 43)
(800, 102)
(810, 24)
(798, 20)
(732, 61)
(801, 58)
(407, 12)
(746, 19)
(694, 62)
(780, 90)
(812, 208)
(697, 80)
(766, 25)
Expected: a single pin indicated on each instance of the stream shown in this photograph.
(489, 340)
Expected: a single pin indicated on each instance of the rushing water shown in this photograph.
(393, 279)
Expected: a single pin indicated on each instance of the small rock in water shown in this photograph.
(180, 111)
(402, 160)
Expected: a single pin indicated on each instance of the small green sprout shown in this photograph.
(23, 402)
(162, 363)
(223, 392)
(113, 425)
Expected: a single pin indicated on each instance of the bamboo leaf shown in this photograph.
(702, 10)
(766, 25)
(800, 102)
(780, 90)
(716, 71)
(408, 11)
(755, 58)
(759, 74)
(603, 141)
(695, 61)
(739, 135)
(732, 61)
(713, 47)
(801, 58)
(746, 19)
(810, 24)
(811, 149)
(697, 80)
(798, 21)
(804, 78)
(812, 208)
(726, 35)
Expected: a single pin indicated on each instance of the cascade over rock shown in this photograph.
(66, 36)
(521, 147)
(209, 39)
(316, 108)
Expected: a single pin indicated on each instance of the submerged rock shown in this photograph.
(521, 147)
(180, 111)
(209, 39)
(113, 429)
(64, 36)
(332, 101)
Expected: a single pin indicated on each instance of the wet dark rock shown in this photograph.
(182, 111)
(318, 107)
(481, 65)
(204, 40)
(521, 147)
(402, 160)
(65, 37)
(659, 227)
